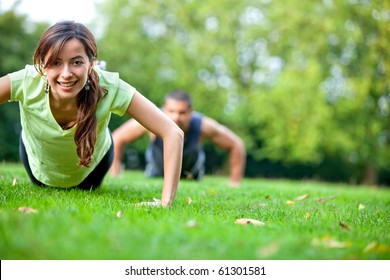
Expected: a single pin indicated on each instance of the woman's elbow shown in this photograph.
(180, 134)
(176, 134)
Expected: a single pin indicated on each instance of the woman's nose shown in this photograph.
(66, 71)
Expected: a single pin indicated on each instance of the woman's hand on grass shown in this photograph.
(155, 203)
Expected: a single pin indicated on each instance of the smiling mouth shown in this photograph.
(69, 84)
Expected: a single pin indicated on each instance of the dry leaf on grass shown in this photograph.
(329, 242)
(192, 224)
(212, 191)
(345, 226)
(302, 197)
(261, 204)
(307, 216)
(325, 199)
(376, 247)
(268, 250)
(119, 214)
(27, 210)
(189, 200)
(246, 221)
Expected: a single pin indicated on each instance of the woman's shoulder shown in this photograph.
(112, 82)
(28, 71)
(107, 78)
(26, 78)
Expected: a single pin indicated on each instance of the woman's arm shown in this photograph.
(154, 120)
(5, 89)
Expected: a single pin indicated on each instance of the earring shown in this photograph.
(47, 88)
(87, 84)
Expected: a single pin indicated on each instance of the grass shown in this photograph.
(333, 222)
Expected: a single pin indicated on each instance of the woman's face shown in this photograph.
(68, 74)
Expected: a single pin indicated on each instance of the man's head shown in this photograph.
(178, 107)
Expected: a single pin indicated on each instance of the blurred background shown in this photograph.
(306, 84)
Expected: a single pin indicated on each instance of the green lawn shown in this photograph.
(303, 220)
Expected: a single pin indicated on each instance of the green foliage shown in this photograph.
(333, 222)
(361, 66)
(17, 44)
(299, 116)
(300, 82)
(18, 41)
(297, 86)
(167, 45)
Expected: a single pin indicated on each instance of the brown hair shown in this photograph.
(53, 40)
(179, 95)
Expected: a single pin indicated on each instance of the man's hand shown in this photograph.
(234, 184)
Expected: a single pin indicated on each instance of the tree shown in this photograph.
(300, 81)
(17, 44)
(336, 51)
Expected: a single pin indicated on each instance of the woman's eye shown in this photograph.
(77, 62)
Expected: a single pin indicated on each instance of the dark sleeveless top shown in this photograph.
(191, 149)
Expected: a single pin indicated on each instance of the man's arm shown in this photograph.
(125, 134)
(226, 139)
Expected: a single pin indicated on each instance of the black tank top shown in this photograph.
(191, 147)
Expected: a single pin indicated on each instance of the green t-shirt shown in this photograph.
(51, 150)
